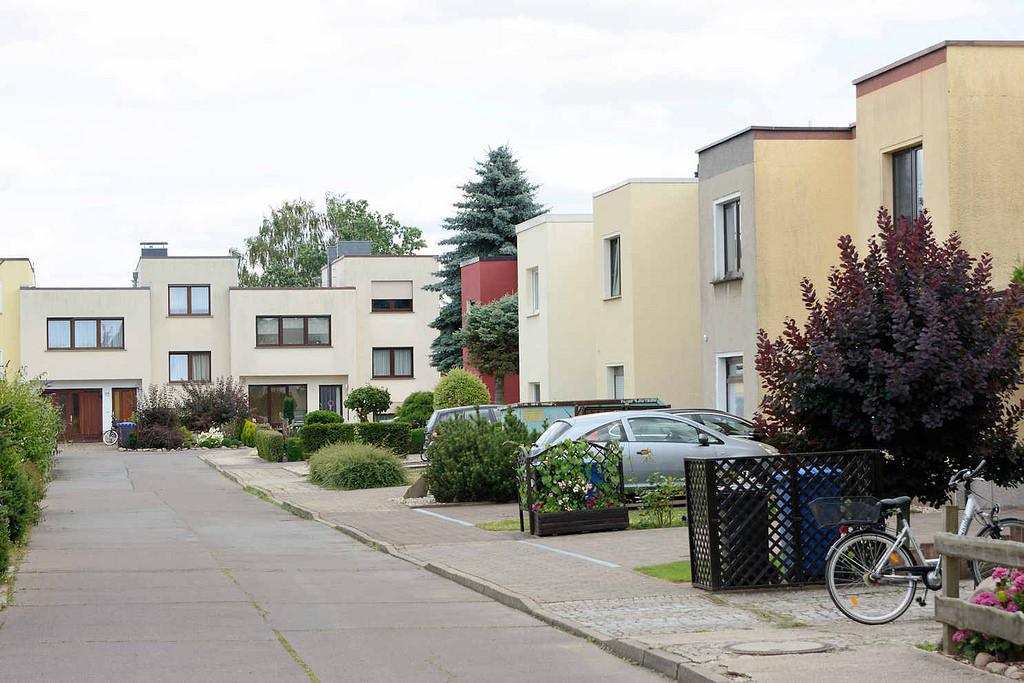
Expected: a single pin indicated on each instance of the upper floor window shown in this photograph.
(729, 238)
(391, 295)
(188, 300)
(85, 333)
(908, 182)
(534, 291)
(393, 362)
(307, 330)
(189, 366)
(612, 266)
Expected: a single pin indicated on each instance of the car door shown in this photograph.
(659, 444)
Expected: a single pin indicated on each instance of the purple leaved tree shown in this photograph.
(912, 352)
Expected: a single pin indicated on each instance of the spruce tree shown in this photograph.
(484, 225)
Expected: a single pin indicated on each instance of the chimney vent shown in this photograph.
(154, 249)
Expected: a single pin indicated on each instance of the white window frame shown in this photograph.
(719, 209)
(606, 265)
(534, 388)
(721, 364)
(610, 379)
(534, 274)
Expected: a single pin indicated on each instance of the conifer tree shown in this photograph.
(484, 224)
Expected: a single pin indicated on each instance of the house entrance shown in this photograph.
(83, 413)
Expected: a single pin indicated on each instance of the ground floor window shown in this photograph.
(616, 381)
(731, 384)
(266, 401)
(330, 398)
(535, 392)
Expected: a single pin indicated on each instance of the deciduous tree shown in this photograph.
(491, 336)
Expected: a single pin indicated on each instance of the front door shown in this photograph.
(83, 413)
(125, 401)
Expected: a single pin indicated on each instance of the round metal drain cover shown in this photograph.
(766, 648)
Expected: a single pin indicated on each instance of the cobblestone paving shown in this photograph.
(652, 616)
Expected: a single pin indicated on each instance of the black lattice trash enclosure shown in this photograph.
(750, 523)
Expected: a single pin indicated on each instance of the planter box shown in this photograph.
(579, 521)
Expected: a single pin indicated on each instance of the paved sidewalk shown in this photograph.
(586, 584)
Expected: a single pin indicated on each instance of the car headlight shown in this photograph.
(769, 449)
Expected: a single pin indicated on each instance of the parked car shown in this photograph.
(652, 441)
(720, 421)
(490, 412)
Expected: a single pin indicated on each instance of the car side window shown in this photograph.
(725, 424)
(605, 433)
(663, 429)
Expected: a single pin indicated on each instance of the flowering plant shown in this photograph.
(212, 438)
(1008, 596)
(575, 475)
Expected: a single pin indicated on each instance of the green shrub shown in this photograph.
(6, 547)
(187, 438)
(31, 421)
(293, 450)
(416, 408)
(270, 445)
(213, 404)
(460, 388)
(315, 436)
(368, 400)
(391, 435)
(248, 436)
(288, 408)
(21, 489)
(417, 438)
(322, 417)
(470, 460)
(133, 440)
(355, 466)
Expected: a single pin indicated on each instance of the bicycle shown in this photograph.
(110, 436)
(871, 575)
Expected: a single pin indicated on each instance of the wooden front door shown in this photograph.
(125, 401)
(83, 413)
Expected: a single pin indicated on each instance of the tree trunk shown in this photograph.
(499, 389)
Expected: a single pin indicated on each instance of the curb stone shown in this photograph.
(658, 660)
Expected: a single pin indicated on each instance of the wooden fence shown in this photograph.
(955, 613)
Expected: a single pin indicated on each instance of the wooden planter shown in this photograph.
(579, 521)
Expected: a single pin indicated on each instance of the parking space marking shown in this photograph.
(450, 519)
(576, 555)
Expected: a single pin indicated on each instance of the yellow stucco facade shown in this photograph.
(15, 273)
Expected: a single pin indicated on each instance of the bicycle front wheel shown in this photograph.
(109, 437)
(1005, 529)
(859, 591)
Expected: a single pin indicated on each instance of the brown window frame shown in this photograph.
(391, 307)
(305, 332)
(99, 335)
(189, 355)
(209, 301)
(916, 197)
(392, 349)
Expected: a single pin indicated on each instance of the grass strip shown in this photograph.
(676, 572)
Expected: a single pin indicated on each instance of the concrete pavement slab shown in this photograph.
(455, 613)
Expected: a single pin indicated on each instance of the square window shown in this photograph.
(293, 331)
(267, 332)
(392, 362)
(188, 300)
(319, 333)
(58, 334)
(189, 366)
(85, 334)
(112, 334)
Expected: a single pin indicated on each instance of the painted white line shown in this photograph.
(577, 555)
(450, 519)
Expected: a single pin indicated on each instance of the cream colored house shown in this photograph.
(617, 298)
(186, 319)
(15, 273)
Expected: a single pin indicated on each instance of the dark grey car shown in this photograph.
(490, 412)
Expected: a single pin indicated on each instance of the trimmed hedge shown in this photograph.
(391, 435)
(322, 417)
(417, 438)
(313, 437)
(270, 445)
(356, 466)
(293, 450)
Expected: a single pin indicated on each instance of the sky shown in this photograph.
(185, 122)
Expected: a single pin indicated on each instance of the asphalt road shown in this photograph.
(154, 567)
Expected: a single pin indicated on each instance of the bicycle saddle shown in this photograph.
(890, 503)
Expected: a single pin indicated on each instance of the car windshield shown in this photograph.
(552, 433)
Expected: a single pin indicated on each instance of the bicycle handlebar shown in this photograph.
(967, 475)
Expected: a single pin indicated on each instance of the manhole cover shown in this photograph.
(780, 647)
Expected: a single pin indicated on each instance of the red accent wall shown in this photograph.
(484, 282)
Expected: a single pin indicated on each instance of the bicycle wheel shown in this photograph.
(110, 437)
(856, 590)
(1005, 529)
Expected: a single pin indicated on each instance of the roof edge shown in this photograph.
(554, 218)
(649, 181)
(782, 132)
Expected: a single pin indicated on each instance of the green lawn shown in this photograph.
(635, 522)
(676, 572)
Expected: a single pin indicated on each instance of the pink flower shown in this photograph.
(1000, 573)
(988, 599)
(1012, 607)
(960, 636)
(1018, 582)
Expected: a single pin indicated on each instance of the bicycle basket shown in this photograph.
(848, 511)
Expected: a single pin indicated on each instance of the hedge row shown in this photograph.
(270, 445)
(394, 436)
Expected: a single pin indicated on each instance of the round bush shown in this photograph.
(355, 466)
(471, 460)
(416, 408)
(460, 388)
(322, 417)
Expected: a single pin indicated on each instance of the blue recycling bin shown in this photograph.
(123, 430)
(811, 483)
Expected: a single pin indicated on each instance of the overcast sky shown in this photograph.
(123, 122)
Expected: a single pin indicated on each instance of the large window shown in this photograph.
(188, 300)
(908, 182)
(730, 237)
(612, 266)
(266, 401)
(279, 330)
(85, 333)
(189, 366)
(391, 296)
(394, 362)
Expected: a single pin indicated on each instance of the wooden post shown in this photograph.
(950, 576)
